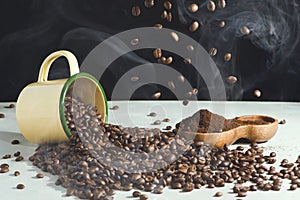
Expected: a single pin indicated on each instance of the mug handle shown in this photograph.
(44, 70)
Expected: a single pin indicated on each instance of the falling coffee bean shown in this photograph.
(164, 15)
(190, 48)
(257, 93)
(157, 122)
(245, 30)
(232, 79)
(194, 26)
(169, 60)
(181, 78)
(156, 95)
(14, 142)
(157, 53)
(193, 8)
(222, 4)
(222, 24)
(149, 3)
(136, 11)
(227, 57)
(187, 61)
(174, 36)
(171, 85)
(2, 115)
(211, 6)
(195, 91)
(168, 5)
(20, 186)
(213, 51)
(115, 108)
(282, 122)
(169, 17)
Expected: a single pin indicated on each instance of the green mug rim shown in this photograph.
(63, 95)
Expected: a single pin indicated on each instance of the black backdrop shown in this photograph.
(268, 59)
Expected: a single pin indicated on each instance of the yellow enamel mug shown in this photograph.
(40, 105)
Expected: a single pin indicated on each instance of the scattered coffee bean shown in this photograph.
(245, 30)
(282, 121)
(152, 114)
(136, 11)
(156, 95)
(157, 53)
(222, 24)
(2, 115)
(218, 194)
(18, 153)
(115, 108)
(185, 102)
(211, 6)
(232, 79)
(168, 5)
(193, 8)
(222, 4)
(135, 78)
(134, 42)
(4, 170)
(157, 122)
(168, 128)
(273, 154)
(39, 175)
(5, 165)
(174, 36)
(159, 26)
(17, 173)
(213, 52)
(164, 15)
(166, 120)
(136, 194)
(190, 47)
(19, 158)
(143, 197)
(227, 57)
(15, 142)
(169, 60)
(181, 78)
(20, 186)
(257, 93)
(10, 106)
(149, 3)
(6, 156)
(194, 26)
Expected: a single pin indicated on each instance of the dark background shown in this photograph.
(267, 59)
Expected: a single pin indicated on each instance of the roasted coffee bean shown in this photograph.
(6, 156)
(134, 42)
(168, 5)
(293, 187)
(10, 106)
(149, 3)
(185, 102)
(232, 79)
(135, 78)
(157, 122)
(159, 26)
(171, 85)
(166, 120)
(187, 61)
(181, 78)
(273, 154)
(242, 194)
(222, 4)
(194, 26)
(18, 153)
(227, 57)
(164, 15)
(211, 6)
(245, 30)
(136, 194)
(17, 173)
(253, 188)
(195, 91)
(20, 186)
(4, 170)
(39, 175)
(222, 24)
(190, 47)
(169, 60)
(213, 51)
(168, 128)
(2, 115)
(143, 197)
(188, 187)
(282, 121)
(218, 194)
(4, 165)
(174, 36)
(257, 93)
(193, 8)
(169, 17)
(115, 108)
(152, 114)
(19, 158)
(156, 95)
(157, 53)
(13, 142)
(136, 11)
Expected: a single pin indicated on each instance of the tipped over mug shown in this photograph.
(40, 105)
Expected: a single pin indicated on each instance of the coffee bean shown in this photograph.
(157, 122)
(166, 120)
(169, 17)
(218, 194)
(152, 114)
(232, 79)
(222, 4)
(185, 102)
(4, 170)
(176, 185)
(162, 60)
(168, 128)
(20, 186)
(257, 93)
(157, 53)
(227, 57)
(193, 8)
(190, 47)
(18, 153)
(174, 36)
(211, 6)
(181, 78)
(168, 5)
(282, 121)
(10, 106)
(115, 108)
(19, 158)
(6, 156)
(169, 60)
(164, 15)
(136, 11)
(187, 61)
(135, 78)
(149, 3)
(15, 142)
(156, 95)
(159, 26)
(194, 26)
(5, 165)
(39, 175)
(171, 85)
(273, 154)
(222, 24)
(293, 187)
(17, 173)
(245, 30)
(242, 194)
(188, 187)
(134, 42)
(195, 91)
(2, 115)
(213, 52)
(136, 194)
(143, 197)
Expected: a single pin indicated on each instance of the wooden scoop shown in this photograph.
(249, 130)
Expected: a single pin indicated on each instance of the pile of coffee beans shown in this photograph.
(100, 158)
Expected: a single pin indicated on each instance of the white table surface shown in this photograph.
(285, 143)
